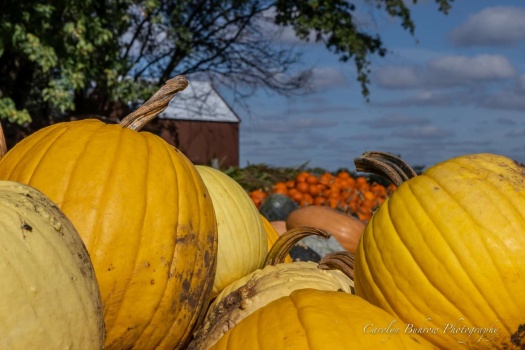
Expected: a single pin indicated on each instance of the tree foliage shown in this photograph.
(67, 57)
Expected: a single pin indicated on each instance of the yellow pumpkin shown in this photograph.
(272, 235)
(242, 239)
(253, 291)
(447, 250)
(317, 319)
(49, 296)
(248, 294)
(143, 213)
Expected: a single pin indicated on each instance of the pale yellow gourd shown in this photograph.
(49, 296)
(243, 244)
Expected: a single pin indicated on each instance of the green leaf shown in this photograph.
(9, 112)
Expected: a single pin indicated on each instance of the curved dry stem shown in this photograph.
(377, 167)
(405, 170)
(3, 144)
(342, 261)
(281, 247)
(155, 105)
(386, 165)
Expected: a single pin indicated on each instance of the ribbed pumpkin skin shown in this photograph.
(49, 296)
(144, 215)
(314, 319)
(242, 239)
(449, 245)
(257, 289)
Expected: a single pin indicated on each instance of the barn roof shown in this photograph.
(200, 102)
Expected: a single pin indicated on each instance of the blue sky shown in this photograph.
(456, 87)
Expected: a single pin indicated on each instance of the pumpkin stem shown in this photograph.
(155, 105)
(281, 247)
(386, 165)
(342, 261)
(3, 144)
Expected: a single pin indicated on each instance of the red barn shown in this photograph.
(202, 125)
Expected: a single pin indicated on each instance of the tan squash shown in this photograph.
(345, 228)
(49, 295)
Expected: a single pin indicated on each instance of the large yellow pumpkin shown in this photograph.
(242, 238)
(255, 290)
(277, 279)
(49, 296)
(446, 252)
(315, 319)
(143, 212)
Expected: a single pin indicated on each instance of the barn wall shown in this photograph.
(202, 141)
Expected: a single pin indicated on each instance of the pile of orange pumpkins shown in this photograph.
(357, 196)
(112, 239)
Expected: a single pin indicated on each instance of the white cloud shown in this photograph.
(327, 77)
(395, 121)
(510, 99)
(367, 137)
(429, 151)
(506, 121)
(433, 98)
(424, 132)
(521, 84)
(493, 26)
(516, 133)
(283, 125)
(398, 77)
(287, 35)
(447, 71)
(481, 67)
(321, 108)
(505, 100)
